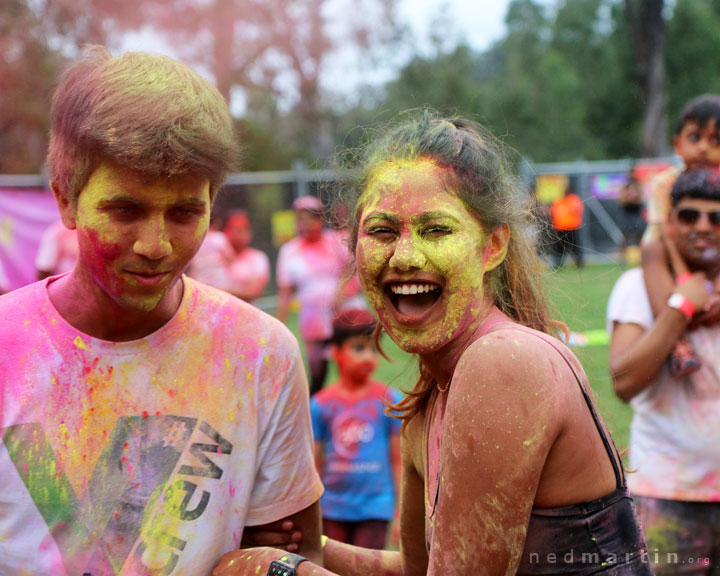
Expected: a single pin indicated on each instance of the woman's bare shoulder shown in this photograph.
(516, 367)
(517, 351)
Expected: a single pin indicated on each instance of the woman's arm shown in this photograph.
(503, 415)
(345, 559)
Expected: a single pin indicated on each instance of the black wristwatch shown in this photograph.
(286, 565)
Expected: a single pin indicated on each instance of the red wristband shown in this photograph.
(680, 280)
(679, 302)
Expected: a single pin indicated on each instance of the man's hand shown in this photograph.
(280, 534)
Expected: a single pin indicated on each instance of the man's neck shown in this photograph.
(93, 313)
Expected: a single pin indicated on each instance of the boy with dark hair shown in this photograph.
(145, 418)
(357, 446)
(697, 142)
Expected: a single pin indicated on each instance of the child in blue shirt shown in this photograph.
(357, 446)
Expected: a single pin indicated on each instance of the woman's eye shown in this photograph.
(380, 231)
(435, 231)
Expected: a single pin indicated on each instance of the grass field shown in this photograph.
(580, 298)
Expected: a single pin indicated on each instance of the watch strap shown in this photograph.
(287, 563)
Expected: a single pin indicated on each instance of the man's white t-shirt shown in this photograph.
(675, 430)
(149, 456)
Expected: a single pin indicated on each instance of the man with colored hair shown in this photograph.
(145, 418)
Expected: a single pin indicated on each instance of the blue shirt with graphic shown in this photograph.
(355, 434)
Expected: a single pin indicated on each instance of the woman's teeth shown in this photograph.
(412, 288)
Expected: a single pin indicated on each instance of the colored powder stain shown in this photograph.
(263, 342)
(527, 442)
(231, 415)
(232, 489)
(145, 414)
(25, 468)
(235, 538)
(172, 393)
(80, 344)
(227, 365)
(27, 322)
(266, 359)
(248, 375)
(257, 570)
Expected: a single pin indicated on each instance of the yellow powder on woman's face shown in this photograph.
(416, 231)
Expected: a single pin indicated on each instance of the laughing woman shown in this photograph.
(507, 467)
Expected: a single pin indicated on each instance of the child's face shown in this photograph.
(698, 147)
(357, 358)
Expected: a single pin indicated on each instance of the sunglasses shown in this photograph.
(692, 215)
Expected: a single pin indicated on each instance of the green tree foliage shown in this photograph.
(565, 82)
(693, 53)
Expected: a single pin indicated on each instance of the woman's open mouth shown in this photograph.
(413, 299)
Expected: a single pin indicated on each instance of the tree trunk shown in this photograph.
(647, 27)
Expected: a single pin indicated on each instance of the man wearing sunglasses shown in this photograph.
(675, 432)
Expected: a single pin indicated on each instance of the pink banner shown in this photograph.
(25, 213)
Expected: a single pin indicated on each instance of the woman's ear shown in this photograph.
(67, 210)
(496, 247)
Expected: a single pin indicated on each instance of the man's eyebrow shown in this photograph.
(191, 202)
(129, 199)
(118, 199)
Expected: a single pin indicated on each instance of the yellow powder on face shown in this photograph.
(401, 199)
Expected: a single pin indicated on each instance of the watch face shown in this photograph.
(280, 569)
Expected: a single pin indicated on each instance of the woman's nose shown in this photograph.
(407, 254)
